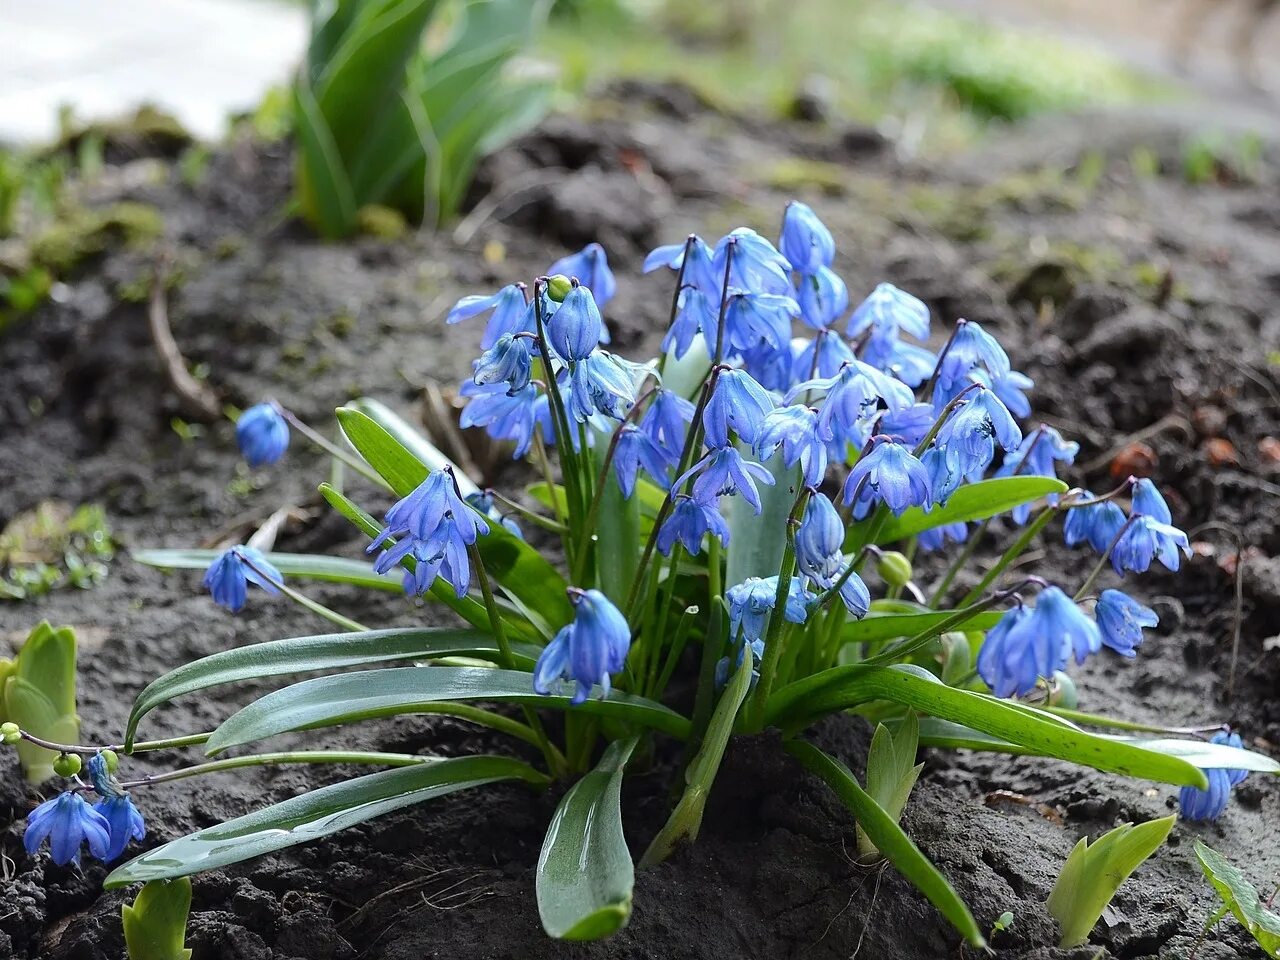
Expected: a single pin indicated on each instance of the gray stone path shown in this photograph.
(198, 59)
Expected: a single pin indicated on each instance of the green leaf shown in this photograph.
(330, 651)
(617, 546)
(518, 567)
(351, 697)
(307, 566)
(418, 447)
(874, 628)
(1094, 872)
(585, 875)
(889, 838)
(323, 191)
(317, 814)
(1241, 898)
(800, 703)
(892, 772)
(155, 925)
(40, 696)
(756, 540)
(973, 501)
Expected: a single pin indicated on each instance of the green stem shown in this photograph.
(346, 623)
(1030, 533)
(321, 441)
(1102, 561)
(1110, 723)
(940, 591)
(678, 643)
(537, 519)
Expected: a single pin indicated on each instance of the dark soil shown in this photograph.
(1132, 302)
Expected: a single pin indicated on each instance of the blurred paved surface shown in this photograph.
(199, 59)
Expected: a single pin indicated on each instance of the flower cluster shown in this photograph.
(68, 822)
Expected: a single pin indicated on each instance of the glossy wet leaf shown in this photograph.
(1240, 897)
(805, 701)
(329, 651)
(874, 628)
(585, 875)
(889, 838)
(155, 924)
(973, 501)
(317, 814)
(351, 697)
(306, 566)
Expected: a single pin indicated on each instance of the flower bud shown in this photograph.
(894, 568)
(1062, 691)
(10, 733)
(112, 761)
(558, 287)
(67, 765)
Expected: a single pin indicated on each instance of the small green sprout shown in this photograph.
(155, 925)
(1239, 897)
(1003, 923)
(39, 696)
(892, 772)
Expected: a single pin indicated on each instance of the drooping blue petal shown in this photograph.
(503, 415)
(1146, 539)
(590, 266)
(666, 423)
(511, 314)
(228, 577)
(1197, 804)
(689, 522)
(971, 433)
(823, 297)
(262, 434)
(124, 822)
(576, 327)
(888, 310)
(971, 346)
(1096, 523)
(1037, 456)
(795, 430)
(509, 361)
(1121, 620)
(806, 242)
(756, 263)
(832, 354)
(738, 403)
(67, 821)
(724, 472)
(633, 451)
(891, 474)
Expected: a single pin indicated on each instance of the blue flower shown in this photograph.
(700, 271)
(511, 314)
(1121, 619)
(795, 429)
(751, 318)
(1096, 523)
(1197, 804)
(820, 541)
(971, 346)
(124, 822)
(504, 416)
(697, 314)
(944, 479)
(970, 434)
(724, 472)
(890, 473)
(633, 451)
(1011, 389)
(888, 310)
(739, 403)
(757, 265)
(1029, 644)
(586, 651)
(833, 353)
(770, 366)
(229, 575)
(590, 266)
(935, 538)
(1057, 615)
(853, 397)
(806, 241)
(823, 296)
(262, 434)
(484, 505)
(912, 424)
(508, 361)
(1148, 502)
(575, 328)
(666, 423)
(751, 601)
(1146, 539)
(67, 821)
(100, 776)
(689, 522)
(1036, 456)
(601, 382)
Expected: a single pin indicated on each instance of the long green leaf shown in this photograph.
(874, 628)
(308, 566)
(330, 651)
(804, 701)
(323, 191)
(617, 535)
(585, 874)
(973, 501)
(756, 540)
(518, 567)
(1240, 897)
(890, 839)
(317, 814)
(351, 697)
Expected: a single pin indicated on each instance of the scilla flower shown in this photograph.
(635, 450)
(724, 472)
(697, 314)
(1011, 389)
(483, 503)
(262, 434)
(699, 272)
(1096, 523)
(832, 354)
(751, 601)
(509, 361)
(936, 538)
(1036, 456)
(689, 522)
(757, 265)
(1197, 804)
(971, 433)
(590, 266)
(888, 310)
(820, 540)
(600, 382)
(230, 574)
(575, 328)
(587, 650)
(666, 423)
(66, 822)
(1029, 644)
(510, 313)
(1146, 539)
(971, 346)
(853, 396)
(1120, 619)
(737, 403)
(889, 472)
(823, 296)
(504, 415)
(751, 318)
(806, 241)
(123, 819)
(795, 430)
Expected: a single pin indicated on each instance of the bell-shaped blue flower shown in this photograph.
(1121, 619)
(511, 314)
(1197, 804)
(586, 651)
(889, 473)
(697, 314)
(590, 266)
(795, 430)
(67, 821)
(633, 451)
(1037, 456)
(853, 397)
(724, 472)
(262, 434)
(508, 361)
(832, 354)
(1148, 501)
(753, 318)
(806, 241)
(971, 346)
(757, 265)
(1146, 539)
(666, 423)
(1011, 389)
(689, 522)
(820, 541)
(888, 310)
(823, 297)
(503, 415)
(124, 822)
(601, 382)
(1029, 644)
(1094, 523)
(227, 579)
(970, 435)
(912, 424)
(1057, 615)
(483, 504)
(751, 601)
(935, 538)
(700, 272)
(944, 479)
(771, 367)
(575, 328)
(737, 403)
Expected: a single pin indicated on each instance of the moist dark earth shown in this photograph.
(1142, 305)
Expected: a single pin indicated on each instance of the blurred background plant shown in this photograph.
(51, 546)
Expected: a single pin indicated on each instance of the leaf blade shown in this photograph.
(973, 501)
